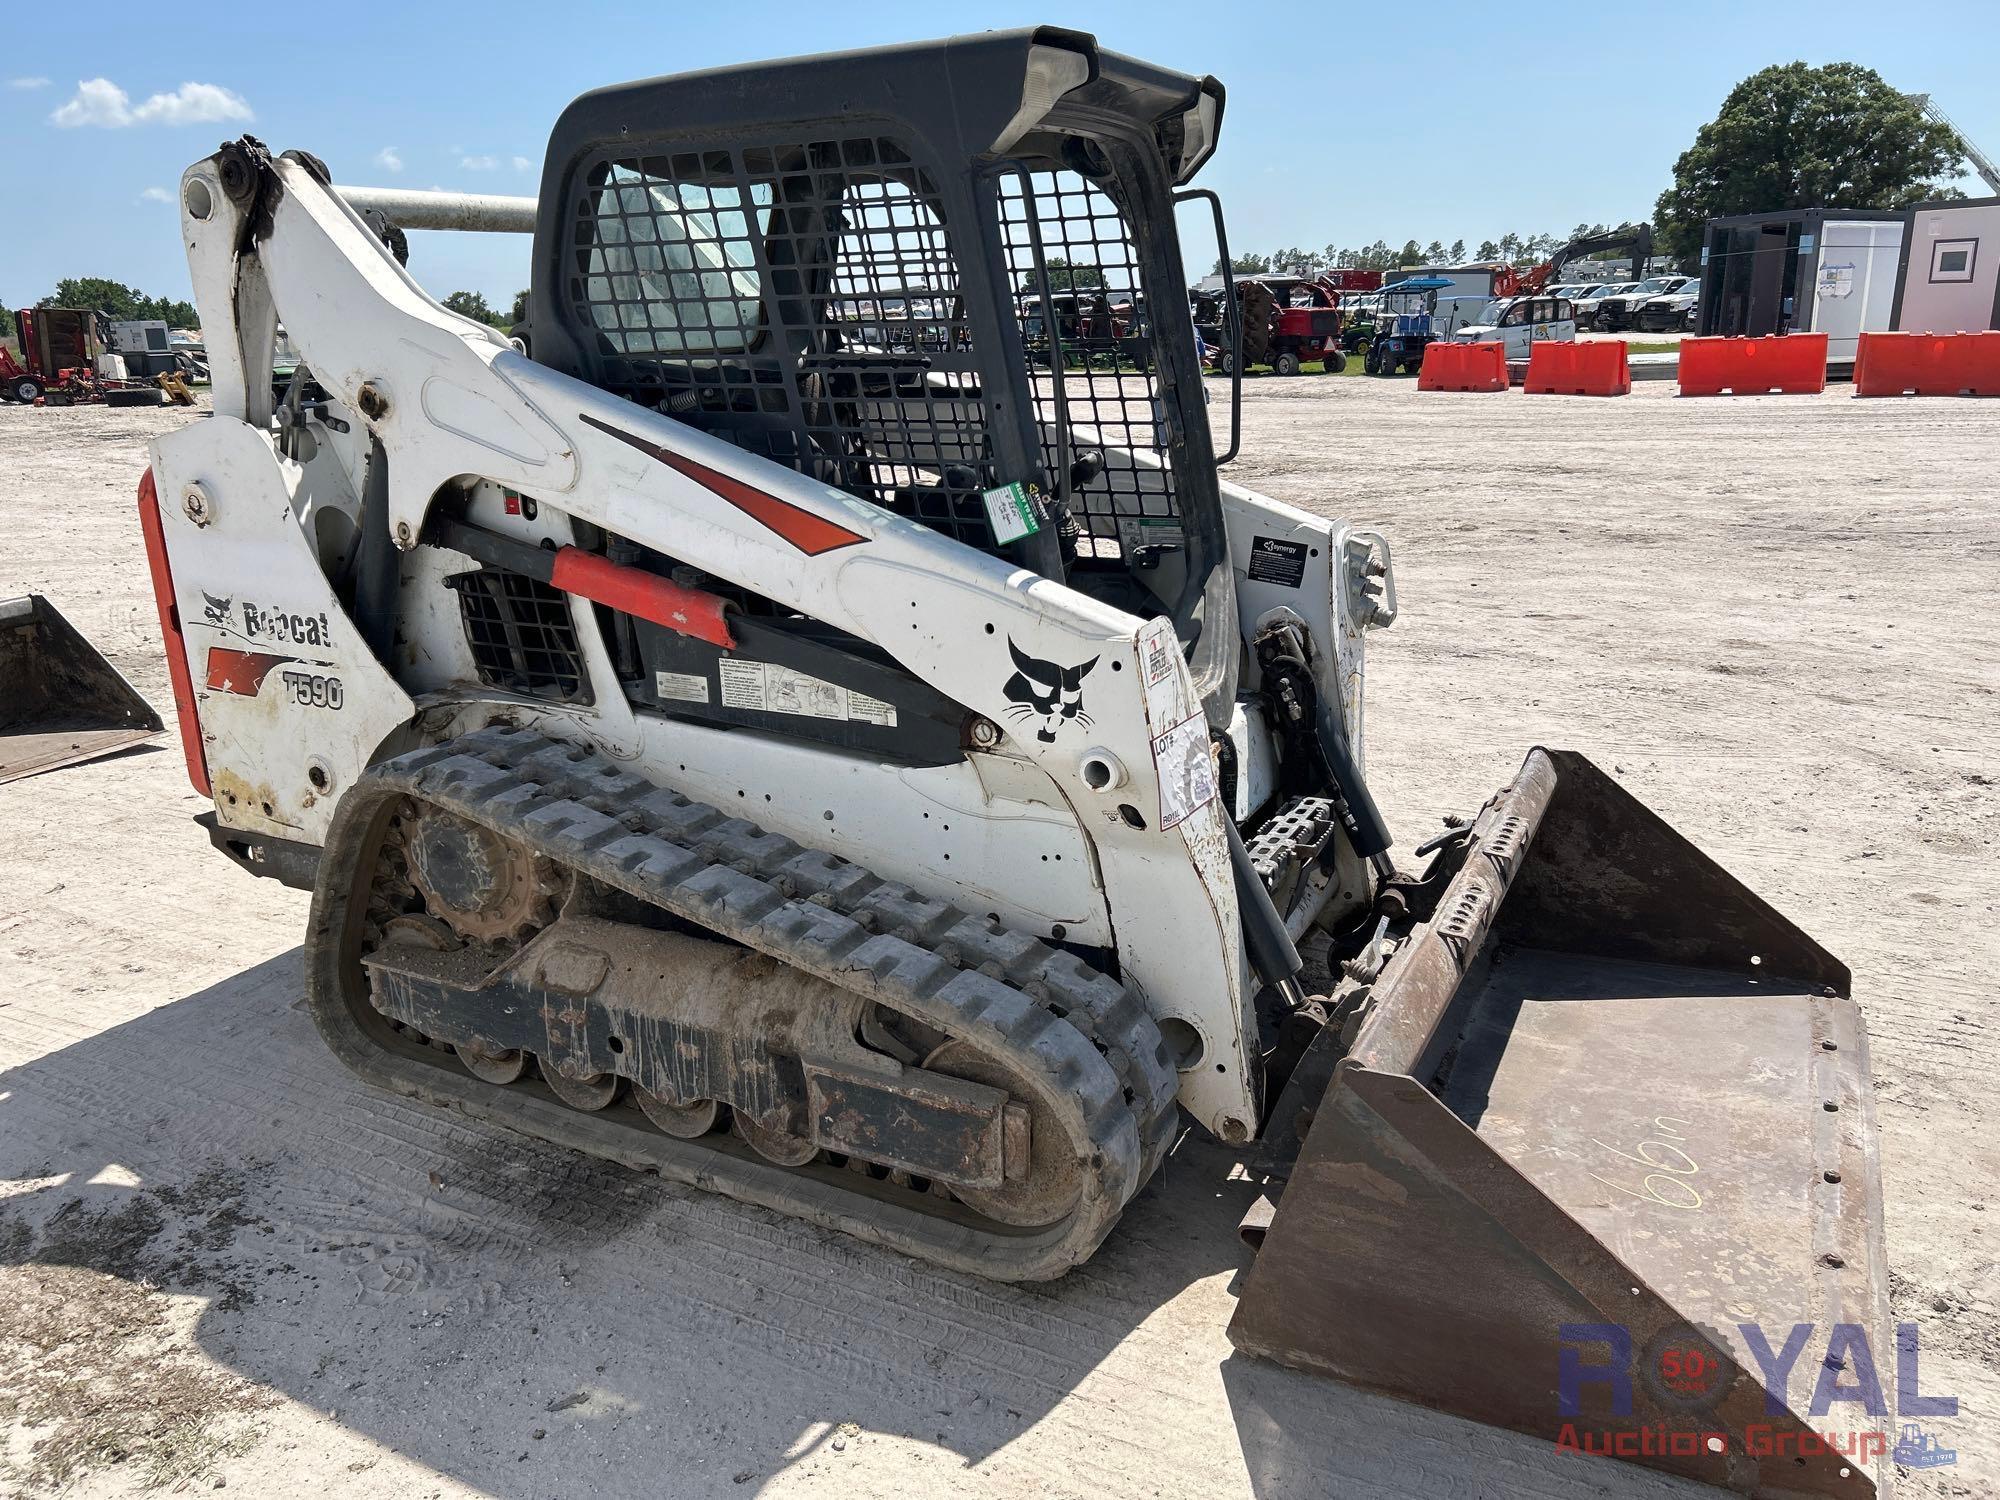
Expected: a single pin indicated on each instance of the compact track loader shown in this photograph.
(762, 724)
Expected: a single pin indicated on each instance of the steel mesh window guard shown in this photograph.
(802, 301)
(1095, 367)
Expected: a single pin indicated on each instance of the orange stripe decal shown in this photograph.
(809, 533)
(234, 671)
(185, 709)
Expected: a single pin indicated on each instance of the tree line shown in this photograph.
(122, 303)
(117, 301)
(1381, 256)
(1787, 137)
(1790, 136)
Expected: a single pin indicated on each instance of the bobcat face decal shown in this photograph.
(1045, 694)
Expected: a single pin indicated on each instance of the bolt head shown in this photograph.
(194, 502)
(404, 537)
(985, 733)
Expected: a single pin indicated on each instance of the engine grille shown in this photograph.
(522, 636)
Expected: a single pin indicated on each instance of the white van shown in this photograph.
(1520, 323)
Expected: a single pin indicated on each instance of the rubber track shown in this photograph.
(1086, 1035)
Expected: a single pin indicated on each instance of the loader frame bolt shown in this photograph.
(985, 734)
(194, 501)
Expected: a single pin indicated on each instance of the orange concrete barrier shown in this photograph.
(1792, 364)
(1927, 364)
(1464, 367)
(1596, 369)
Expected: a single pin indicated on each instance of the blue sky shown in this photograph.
(1446, 122)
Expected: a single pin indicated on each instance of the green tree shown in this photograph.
(6, 323)
(1434, 252)
(1064, 277)
(175, 314)
(1457, 251)
(1795, 136)
(1488, 250)
(1297, 262)
(1244, 265)
(120, 302)
(473, 305)
(112, 298)
(519, 312)
(1411, 254)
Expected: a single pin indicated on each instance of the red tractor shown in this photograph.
(1288, 322)
(56, 368)
(55, 341)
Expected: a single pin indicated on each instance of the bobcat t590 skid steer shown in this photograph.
(778, 724)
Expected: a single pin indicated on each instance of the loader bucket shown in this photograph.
(1603, 1142)
(60, 701)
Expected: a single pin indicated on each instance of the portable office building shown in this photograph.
(1948, 280)
(1802, 270)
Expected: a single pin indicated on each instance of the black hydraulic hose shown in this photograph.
(1274, 958)
(1370, 832)
(378, 571)
(1316, 727)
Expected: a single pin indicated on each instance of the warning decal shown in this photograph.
(681, 687)
(765, 687)
(1275, 560)
(1186, 770)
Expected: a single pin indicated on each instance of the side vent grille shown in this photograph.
(522, 636)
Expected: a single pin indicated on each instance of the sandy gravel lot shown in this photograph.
(223, 1260)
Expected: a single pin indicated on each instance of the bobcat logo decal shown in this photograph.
(1045, 694)
(214, 610)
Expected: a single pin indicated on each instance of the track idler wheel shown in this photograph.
(779, 1147)
(506, 1066)
(598, 1091)
(684, 1122)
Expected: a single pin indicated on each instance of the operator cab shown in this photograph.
(937, 296)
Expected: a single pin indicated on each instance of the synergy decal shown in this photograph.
(1046, 692)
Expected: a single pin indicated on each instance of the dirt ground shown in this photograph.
(222, 1260)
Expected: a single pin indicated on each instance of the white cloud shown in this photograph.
(101, 102)
(156, 195)
(29, 83)
(522, 164)
(389, 159)
(479, 163)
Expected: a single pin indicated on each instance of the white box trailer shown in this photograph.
(1948, 276)
(1815, 270)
